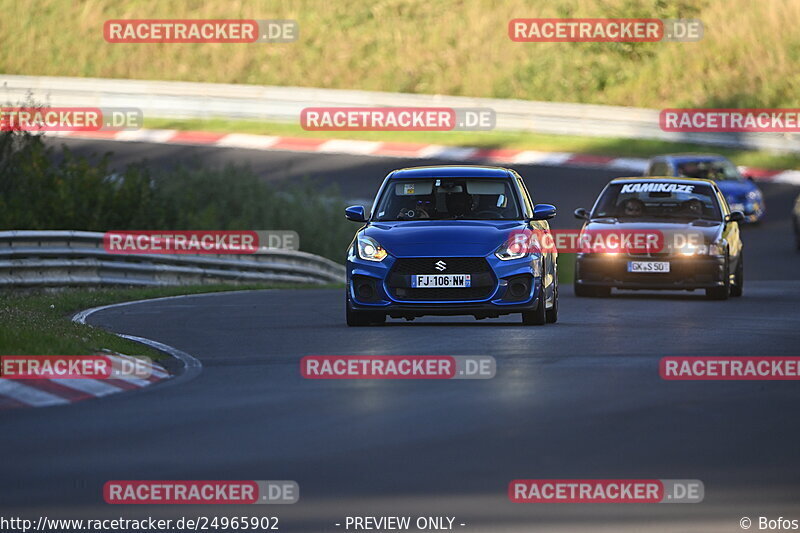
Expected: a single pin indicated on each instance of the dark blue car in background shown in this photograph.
(740, 192)
(437, 242)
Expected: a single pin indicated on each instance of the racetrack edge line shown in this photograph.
(192, 367)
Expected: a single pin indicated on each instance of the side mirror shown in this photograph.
(735, 216)
(355, 213)
(581, 214)
(543, 212)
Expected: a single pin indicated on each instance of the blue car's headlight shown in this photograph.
(369, 249)
(517, 248)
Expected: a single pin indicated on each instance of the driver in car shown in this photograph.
(633, 207)
(417, 209)
(693, 207)
(459, 204)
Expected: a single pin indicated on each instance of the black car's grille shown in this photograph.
(680, 270)
(651, 255)
(483, 280)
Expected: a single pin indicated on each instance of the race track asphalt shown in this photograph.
(578, 399)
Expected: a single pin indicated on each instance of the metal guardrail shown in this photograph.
(71, 258)
(168, 99)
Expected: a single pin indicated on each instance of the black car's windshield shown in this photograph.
(658, 200)
(448, 199)
(709, 170)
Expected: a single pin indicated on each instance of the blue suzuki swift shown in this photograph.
(440, 241)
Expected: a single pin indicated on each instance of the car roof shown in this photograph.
(451, 171)
(667, 179)
(687, 157)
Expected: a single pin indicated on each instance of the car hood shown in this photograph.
(431, 238)
(708, 229)
(735, 189)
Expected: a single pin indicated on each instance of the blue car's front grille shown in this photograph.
(483, 280)
(428, 265)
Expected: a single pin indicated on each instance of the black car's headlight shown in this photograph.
(369, 249)
(701, 249)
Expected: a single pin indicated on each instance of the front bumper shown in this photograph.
(506, 287)
(693, 272)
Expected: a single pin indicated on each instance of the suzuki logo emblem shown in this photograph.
(441, 266)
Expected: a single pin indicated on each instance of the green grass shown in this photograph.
(566, 268)
(493, 139)
(748, 56)
(38, 322)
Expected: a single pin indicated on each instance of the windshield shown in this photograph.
(448, 199)
(709, 170)
(658, 200)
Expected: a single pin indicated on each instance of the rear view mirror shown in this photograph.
(543, 212)
(355, 213)
(735, 216)
(581, 214)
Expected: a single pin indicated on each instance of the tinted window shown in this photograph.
(448, 199)
(658, 200)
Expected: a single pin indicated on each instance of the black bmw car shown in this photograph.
(698, 244)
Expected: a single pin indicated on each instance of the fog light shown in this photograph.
(518, 288)
(365, 291)
(364, 288)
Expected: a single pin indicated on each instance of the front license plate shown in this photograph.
(656, 267)
(440, 281)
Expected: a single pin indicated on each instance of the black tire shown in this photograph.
(356, 319)
(738, 279)
(721, 293)
(551, 315)
(538, 316)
